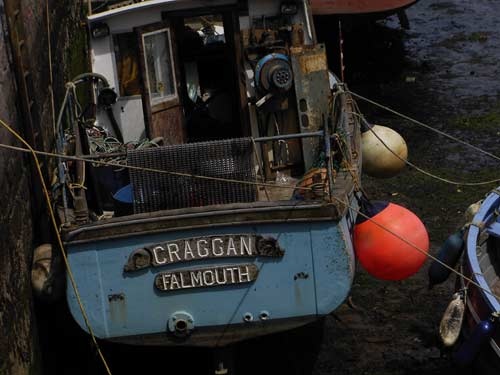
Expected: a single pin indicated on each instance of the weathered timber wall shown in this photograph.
(21, 210)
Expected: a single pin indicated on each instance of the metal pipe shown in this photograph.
(320, 133)
(328, 152)
(308, 21)
(89, 75)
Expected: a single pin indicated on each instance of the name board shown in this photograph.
(206, 277)
(198, 248)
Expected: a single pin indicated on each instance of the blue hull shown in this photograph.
(311, 279)
(479, 266)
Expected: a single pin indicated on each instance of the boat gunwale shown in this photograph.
(491, 201)
(374, 11)
(476, 317)
(194, 218)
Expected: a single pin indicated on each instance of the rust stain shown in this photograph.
(118, 308)
(313, 63)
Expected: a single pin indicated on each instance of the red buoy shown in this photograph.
(381, 253)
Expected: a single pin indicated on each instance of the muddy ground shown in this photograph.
(443, 71)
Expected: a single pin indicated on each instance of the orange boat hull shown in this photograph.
(324, 7)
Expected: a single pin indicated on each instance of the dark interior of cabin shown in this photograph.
(209, 84)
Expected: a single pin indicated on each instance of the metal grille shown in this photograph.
(228, 159)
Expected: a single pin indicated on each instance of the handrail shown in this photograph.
(320, 133)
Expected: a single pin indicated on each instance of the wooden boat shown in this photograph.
(481, 263)
(222, 246)
(331, 7)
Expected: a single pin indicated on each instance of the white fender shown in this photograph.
(378, 161)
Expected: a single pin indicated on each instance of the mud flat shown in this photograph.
(444, 71)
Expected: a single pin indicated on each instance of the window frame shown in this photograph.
(114, 46)
(175, 95)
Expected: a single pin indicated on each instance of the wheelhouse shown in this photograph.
(237, 90)
(224, 158)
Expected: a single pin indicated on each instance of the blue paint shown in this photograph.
(264, 60)
(469, 350)
(125, 195)
(319, 252)
(484, 215)
(481, 339)
(449, 254)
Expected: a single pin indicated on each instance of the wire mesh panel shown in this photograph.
(226, 159)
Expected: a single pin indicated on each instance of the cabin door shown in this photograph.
(162, 104)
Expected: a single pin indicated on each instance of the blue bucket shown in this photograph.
(124, 199)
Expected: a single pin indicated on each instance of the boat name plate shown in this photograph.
(206, 277)
(198, 248)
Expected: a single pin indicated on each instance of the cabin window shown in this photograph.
(127, 63)
(159, 65)
(210, 28)
(211, 88)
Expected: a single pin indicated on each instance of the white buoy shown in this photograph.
(378, 160)
(472, 210)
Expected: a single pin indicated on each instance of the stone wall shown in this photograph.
(16, 324)
(20, 213)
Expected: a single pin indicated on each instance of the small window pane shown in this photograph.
(209, 28)
(127, 63)
(159, 66)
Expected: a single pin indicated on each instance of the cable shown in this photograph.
(426, 126)
(59, 240)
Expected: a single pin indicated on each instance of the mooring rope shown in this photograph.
(440, 132)
(153, 170)
(424, 252)
(261, 184)
(59, 241)
(423, 171)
